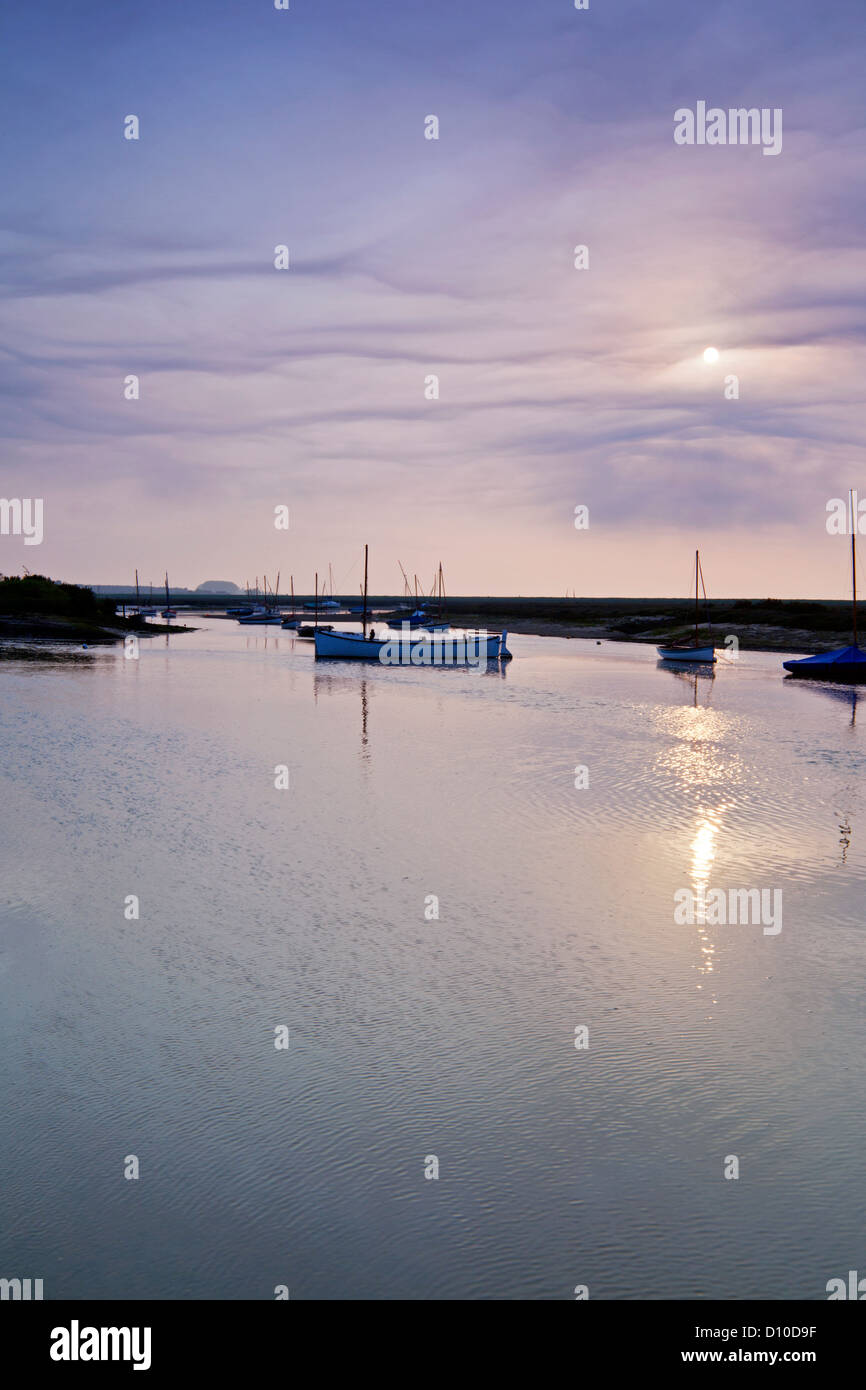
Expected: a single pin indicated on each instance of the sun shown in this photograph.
(711, 354)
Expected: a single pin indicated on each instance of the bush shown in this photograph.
(35, 593)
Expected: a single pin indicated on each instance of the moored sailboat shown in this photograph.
(846, 665)
(419, 648)
(408, 647)
(290, 620)
(696, 650)
(168, 611)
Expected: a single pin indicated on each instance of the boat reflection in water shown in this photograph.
(692, 673)
(327, 682)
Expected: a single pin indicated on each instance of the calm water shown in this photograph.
(413, 1037)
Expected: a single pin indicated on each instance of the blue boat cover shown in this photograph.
(847, 656)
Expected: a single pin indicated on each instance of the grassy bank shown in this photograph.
(35, 607)
(793, 625)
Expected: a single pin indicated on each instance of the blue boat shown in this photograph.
(696, 650)
(846, 665)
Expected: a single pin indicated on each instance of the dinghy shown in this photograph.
(168, 611)
(686, 652)
(846, 665)
(696, 650)
(408, 647)
(418, 648)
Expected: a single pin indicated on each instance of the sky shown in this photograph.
(410, 258)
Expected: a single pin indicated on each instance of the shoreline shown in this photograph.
(34, 627)
(532, 618)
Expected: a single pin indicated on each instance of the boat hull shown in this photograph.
(842, 672)
(687, 653)
(843, 675)
(414, 649)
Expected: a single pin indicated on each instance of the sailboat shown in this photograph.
(291, 621)
(422, 618)
(407, 648)
(241, 612)
(260, 614)
(694, 650)
(148, 611)
(309, 630)
(168, 611)
(847, 665)
(331, 602)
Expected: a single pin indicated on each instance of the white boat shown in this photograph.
(261, 615)
(150, 610)
(414, 648)
(696, 650)
(687, 653)
(408, 647)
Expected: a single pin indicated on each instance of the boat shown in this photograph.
(418, 648)
(139, 611)
(307, 629)
(266, 612)
(696, 650)
(407, 647)
(441, 624)
(168, 611)
(261, 615)
(290, 621)
(845, 665)
(149, 611)
(245, 609)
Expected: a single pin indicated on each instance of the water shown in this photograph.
(412, 1037)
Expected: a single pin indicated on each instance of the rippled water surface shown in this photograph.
(413, 1037)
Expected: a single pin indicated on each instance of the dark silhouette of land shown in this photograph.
(34, 606)
(40, 607)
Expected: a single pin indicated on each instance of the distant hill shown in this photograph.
(217, 586)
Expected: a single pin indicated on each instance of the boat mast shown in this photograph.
(316, 602)
(364, 618)
(853, 565)
(137, 599)
(697, 611)
(292, 582)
